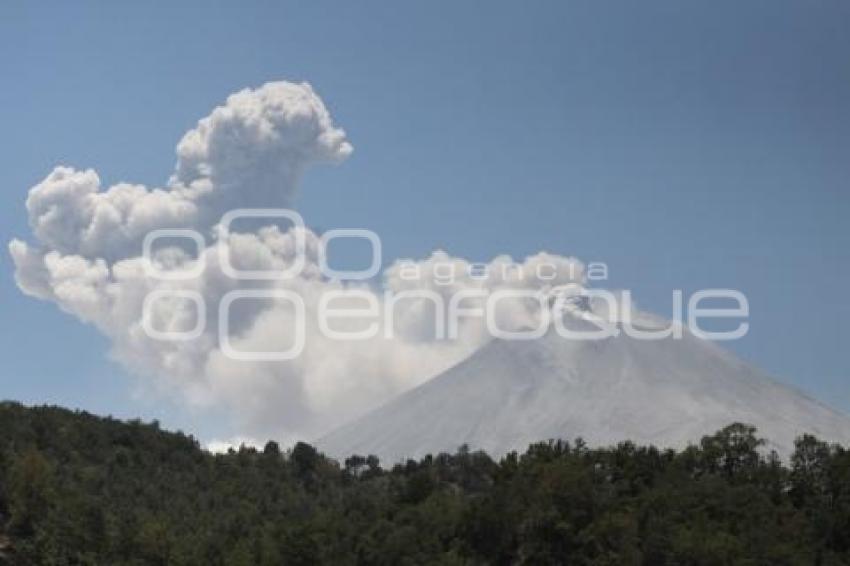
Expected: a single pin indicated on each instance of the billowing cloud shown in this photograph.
(86, 257)
(248, 153)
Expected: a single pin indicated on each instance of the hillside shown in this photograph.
(79, 489)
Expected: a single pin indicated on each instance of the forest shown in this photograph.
(80, 489)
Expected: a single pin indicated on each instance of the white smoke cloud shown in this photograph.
(86, 257)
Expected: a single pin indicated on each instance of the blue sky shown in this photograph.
(687, 145)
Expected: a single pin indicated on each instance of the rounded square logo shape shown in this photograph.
(353, 275)
(167, 335)
(155, 273)
(261, 356)
(262, 274)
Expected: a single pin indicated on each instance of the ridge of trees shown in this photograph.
(80, 489)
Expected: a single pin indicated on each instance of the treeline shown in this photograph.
(78, 489)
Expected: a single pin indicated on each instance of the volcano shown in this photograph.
(666, 392)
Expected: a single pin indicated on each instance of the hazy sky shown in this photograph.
(687, 145)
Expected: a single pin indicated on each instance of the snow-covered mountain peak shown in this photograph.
(510, 393)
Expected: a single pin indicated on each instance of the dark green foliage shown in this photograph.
(78, 489)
